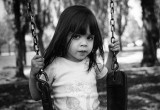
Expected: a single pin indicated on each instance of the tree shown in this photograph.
(6, 35)
(2, 35)
(121, 18)
(19, 39)
(18, 21)
(152, 34)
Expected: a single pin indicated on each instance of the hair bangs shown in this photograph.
(79, 24)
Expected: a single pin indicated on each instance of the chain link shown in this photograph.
(115, 64)
(33, 28)
(35, 39)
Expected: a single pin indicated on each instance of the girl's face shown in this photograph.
(80, 46)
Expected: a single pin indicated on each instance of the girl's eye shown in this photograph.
(76, 36)
(90, 37)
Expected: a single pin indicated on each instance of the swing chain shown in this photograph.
(33, 28)
(35, 39)
(115, 64)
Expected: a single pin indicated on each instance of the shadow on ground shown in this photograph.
(143, 88)
(143, 91)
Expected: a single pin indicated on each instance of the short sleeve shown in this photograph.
(100, 70)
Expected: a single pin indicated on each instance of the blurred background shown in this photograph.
(137, 26)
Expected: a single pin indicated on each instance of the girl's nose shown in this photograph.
(84, 42)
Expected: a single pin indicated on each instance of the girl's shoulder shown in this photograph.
(54, 63)
(57, 60)
(60, 61)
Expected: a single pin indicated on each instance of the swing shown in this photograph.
(43, 86)
(116, 80)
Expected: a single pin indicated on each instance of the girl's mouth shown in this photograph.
(82, 52)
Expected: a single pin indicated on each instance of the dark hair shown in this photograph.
(74, 19)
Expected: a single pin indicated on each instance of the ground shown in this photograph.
(143, 84)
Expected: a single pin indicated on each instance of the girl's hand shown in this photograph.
(114, 47)
(37, 63)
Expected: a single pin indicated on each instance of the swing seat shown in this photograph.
(45, 96)
(117, 91)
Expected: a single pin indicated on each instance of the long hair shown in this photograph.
(74, 19)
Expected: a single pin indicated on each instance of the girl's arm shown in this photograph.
(109, 61)
(115, 47)
(36, 64)
(33, 88)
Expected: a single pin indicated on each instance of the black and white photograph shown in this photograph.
(79, 54)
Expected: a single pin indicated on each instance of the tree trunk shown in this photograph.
(19, 40)
(119, 23)
(24, 43)
(0, 50)
(151, 35)
(9, 49)
(122, 14)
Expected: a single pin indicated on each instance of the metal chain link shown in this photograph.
(35, 38)
(115, 64)
(33, 28)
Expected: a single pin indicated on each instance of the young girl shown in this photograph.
(70, 60)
